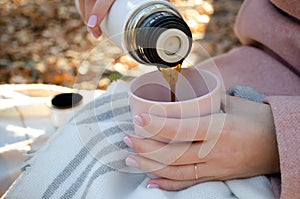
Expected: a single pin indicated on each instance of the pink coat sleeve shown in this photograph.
(272, 66)
(269, 61)
(286, 113)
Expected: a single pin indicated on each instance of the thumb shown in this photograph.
(224, 103)
(230, 103)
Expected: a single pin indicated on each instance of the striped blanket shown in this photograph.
(85, 159)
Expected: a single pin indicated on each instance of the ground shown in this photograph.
(46, 42)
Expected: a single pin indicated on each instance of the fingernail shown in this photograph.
(152, 186)
(92, 21)
(128, 141)
(131, 162)
(138, 120)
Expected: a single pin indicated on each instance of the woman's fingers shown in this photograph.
(81, 8)
(189, 129)
(179, 173)
(223, 141)
(93, 13)
(174, 185)
(96, 16)
(177, 153)
(179, 130)
(89, 5)
(100, 9)
(192, 129)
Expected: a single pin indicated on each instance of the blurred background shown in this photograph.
(45, 41)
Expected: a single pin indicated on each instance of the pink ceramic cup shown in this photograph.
(197, 93)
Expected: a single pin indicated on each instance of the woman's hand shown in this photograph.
(236, 144)
(93, 12)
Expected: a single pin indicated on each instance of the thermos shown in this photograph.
(152, 31)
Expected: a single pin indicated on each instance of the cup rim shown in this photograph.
(214, 90)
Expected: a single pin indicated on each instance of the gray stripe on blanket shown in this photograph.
(105, 116)
(100, 171)
(244, 92)
(81, 155)
(104, 100)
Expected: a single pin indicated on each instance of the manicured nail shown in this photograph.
(138, 120)
(128, 141)
(92, 21)
(152, 186)
(131, 162)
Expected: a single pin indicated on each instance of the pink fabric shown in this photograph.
(286, 113)
(255, 68)
(259, 22)
(269, 61)
(292, 7)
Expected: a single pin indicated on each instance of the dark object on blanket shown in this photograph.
(66, 100)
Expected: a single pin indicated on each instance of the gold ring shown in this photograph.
(196, 171)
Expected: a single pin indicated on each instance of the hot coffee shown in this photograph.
(171, 76)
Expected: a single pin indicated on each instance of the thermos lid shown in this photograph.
(66, 100)
(172, 45)
(163, 39)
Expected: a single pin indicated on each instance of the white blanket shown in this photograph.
(85, 159)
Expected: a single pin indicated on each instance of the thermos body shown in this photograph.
(152, 31)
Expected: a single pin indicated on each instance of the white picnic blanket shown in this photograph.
(85, 158)
(25, 124)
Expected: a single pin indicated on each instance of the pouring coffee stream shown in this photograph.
(171, 76)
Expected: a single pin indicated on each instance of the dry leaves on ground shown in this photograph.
(45, 41)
